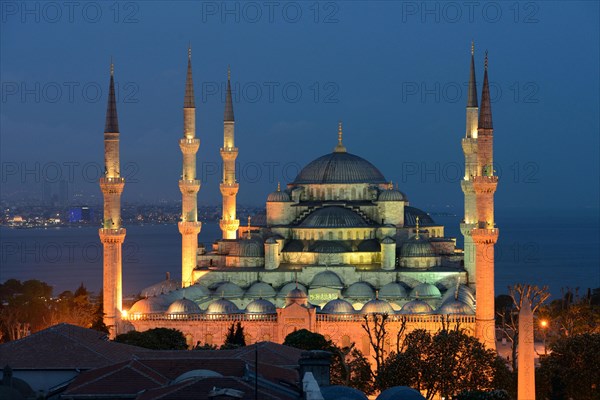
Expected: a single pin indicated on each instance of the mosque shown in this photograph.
(336, 244)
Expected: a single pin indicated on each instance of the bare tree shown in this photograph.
(377, 335)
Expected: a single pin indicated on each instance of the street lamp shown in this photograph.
(544, 325)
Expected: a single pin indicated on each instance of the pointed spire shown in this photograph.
(340, 146)
(112, 121)
(472, 93)
(188, 101)
(228, 102)
(485, 111)
(417, 229)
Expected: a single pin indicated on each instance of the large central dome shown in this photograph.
(339, 167)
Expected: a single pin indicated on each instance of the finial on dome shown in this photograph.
(417, 228)
(416, 295)
(190, 51)
(279, 186)
(248, 233)
(340, 146)
(472, 47)
(377, 295)
(457, 287)
(390, 185)
(112, 67)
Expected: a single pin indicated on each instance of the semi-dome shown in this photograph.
(392, 291)
(391, 195)
(183, 306)
(426, 291)
(455, 307)
(296, 296)
(222, 306)
(369, 245)
(248, 248)
(261, 306)
(327, 279)
(339, 167)
(337, 392)
(338, 306)
(400, 393)
(465, 294)
(359, 290)
(288, 287)
(260, 289)
(329, 246)
(149, 305)
(278, 197)
(229, 290)
(411, 214)
(417, 247)
(416, 306)
(377, 306)
(333, 217)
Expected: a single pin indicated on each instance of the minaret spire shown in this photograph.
(485, 113)
(472, 99)
(189, 226)
(340, 148)
(112, 234)
(229, 187)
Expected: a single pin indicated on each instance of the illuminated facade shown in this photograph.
(335, 244)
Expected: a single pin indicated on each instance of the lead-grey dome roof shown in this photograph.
(455, 307)
(278, 196)
(411, 214)
(261, 306)
(222, 306)
(229, 289)
(465, 294)
(248, 248)
(338, 306)
(196, 291)
(335, 392)
(392, 290)
(339, 167)
(333, 217)
(377, 306)
(417, 247)
(416, 307)
(359, 290)
(400, 393)
(183, 306)
(391, 195)
(148, 305)
(260, 289)
(425, 290)
(327, 279)
(288, 287)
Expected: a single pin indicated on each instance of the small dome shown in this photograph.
(400, 393)
(260, 289)
(411, 214)
(271, 240)
(229, 290)
(392, 291)
(455, 307)
(337, 392)
(149, 305)
(296, 296)
(391, 195)
(197, 373)
(388, 240)
(339, 167)
(183, 306)
(288, 287)
(333, 217)
(416, 307)
(377, 306)
(278, 196)
(196, 292)
(327, 279)
(359, 290)
(222, 306)
(465, 294)
(426, 291)
(171, 296)
(261, 306)
(328, 246)
(338, 306)
(417, 247)
(161, 287)
(248, 248)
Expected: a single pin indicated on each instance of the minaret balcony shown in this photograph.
(189, 185)
(189, 227)
(229, 224)
(112, 185)
(485, 184)
(112, 235)
(485, 235)
(469, 145)
(466, 228)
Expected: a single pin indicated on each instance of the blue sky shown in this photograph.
(393, 72)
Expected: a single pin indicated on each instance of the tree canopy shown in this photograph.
(155, 339)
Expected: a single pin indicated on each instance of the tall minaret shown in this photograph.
(469, 145)
(229, 187)
(485, 235)
(189, 227)
(112, 234)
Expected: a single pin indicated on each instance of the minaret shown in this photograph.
(485, 234)
(229, 186)
(112, 234)
(189, 227)
(469, 146)
(526, 372)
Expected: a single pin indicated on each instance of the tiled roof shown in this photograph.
(65, 346)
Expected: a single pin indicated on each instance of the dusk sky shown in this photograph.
(394, 73)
